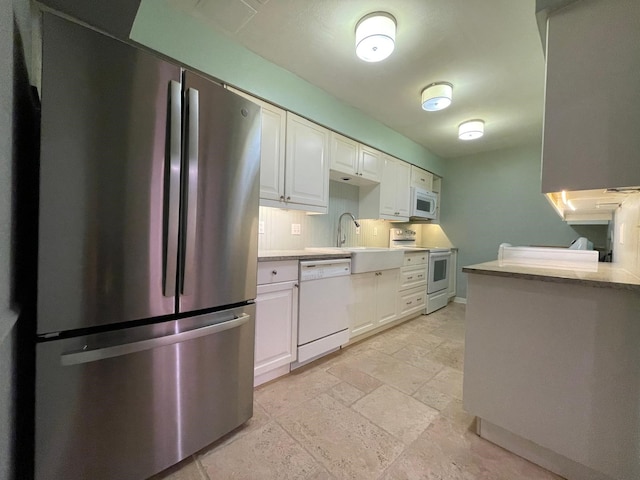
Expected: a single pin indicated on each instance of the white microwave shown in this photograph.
(424, 204)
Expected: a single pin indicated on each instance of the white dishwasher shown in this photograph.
(323, 313)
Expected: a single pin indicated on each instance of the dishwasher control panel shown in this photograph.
(315, 270)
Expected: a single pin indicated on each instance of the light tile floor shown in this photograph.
(389, 407)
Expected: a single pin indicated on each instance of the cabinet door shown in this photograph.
(272, 152)
(369, 163)
(344, 154)
(272, 148)
(386, 295)
(402, 192)
(276, 325)
(362, 312)
(388, 187)
(307, 163)
(421, 178)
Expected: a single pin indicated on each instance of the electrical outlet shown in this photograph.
(261, 228)
(295, 229)
(357, 230)
(375, 231)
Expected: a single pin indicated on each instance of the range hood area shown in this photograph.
(589, 207)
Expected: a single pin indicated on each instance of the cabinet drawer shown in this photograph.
(413, 276)
(415, 258)
(279, 271)
(412, 300)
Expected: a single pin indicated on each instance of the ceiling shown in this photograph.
(489, 50)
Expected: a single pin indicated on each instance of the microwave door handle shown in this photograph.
(173, 202)
(192, 191)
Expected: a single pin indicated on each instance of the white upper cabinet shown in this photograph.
(294, 160)
(352, 162)
(592, 99)
(306, 164)
(390, 199)
(369, 163)
(272, 150)
(421, 178)
(344, 154)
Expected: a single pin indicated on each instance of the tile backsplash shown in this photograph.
(321, 230)
(626, 235)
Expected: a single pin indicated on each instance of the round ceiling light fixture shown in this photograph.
(437, 96)
(471, 129)
(375, 36)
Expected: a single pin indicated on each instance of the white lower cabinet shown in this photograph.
(412, 291)
(276, 320)
(412, 301)
(374, 301)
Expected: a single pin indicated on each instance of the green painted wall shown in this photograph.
(187, 39)
(491, 198)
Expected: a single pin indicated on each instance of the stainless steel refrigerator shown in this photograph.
(147, 257)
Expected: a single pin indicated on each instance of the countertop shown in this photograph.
(303, 254)
(328, 253)
(609, 275)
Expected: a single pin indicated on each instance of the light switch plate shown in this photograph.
(375, 231)
(357, 230)
(295, 229)
(261, 227)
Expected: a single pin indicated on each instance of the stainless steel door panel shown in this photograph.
(106, 410)
(102, 237)
(220, 262)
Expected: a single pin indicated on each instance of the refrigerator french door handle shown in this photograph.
(173, 216)
(88, 356)
(192, 194)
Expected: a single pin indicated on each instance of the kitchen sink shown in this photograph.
(369, 259)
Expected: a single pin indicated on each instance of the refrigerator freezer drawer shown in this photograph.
(130, 403)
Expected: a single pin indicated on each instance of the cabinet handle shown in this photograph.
(282, 198)
(409, 278)
(419, 299)
(296, 285)
(420, 276)
(408, 259)
(409, 303)
(288, 198)
(274, 272)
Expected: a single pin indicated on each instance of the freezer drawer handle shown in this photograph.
(171, 239)
(87, 356)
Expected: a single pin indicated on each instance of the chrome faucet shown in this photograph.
(340, 239)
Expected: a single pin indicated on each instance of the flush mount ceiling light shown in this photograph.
(471, 130)
(375, 36)
(437, 96)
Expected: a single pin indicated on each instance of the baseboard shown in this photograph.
(271, 375)
(460, 300)
(537, 454)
